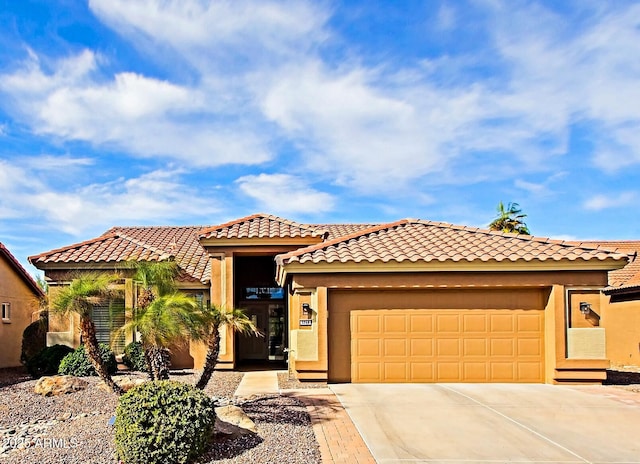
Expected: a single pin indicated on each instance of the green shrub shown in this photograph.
(134, 357)
(47, 361)
(34, 338)
(79, 365)
(163, 422)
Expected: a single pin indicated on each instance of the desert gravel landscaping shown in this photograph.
(74, 428)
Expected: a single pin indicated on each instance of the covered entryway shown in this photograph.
(466, 345)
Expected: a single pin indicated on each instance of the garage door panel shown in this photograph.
(502, 323)
(395, 347)
(448, 371)
(529, 347)
(475, 371)
(393, 323)
(368, 347)
(502, 371)
(368, 324)
(447, 346)
(369, 372)
(475, 323)
(529, 371)
(422, 372)
(396, 370)
(421, 347)
(528, 323)
(420, 324)
(448, 323)
(502, 347)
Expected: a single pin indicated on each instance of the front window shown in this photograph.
(6, 312)
(263, 293)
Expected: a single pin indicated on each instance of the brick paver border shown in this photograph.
(339, 440)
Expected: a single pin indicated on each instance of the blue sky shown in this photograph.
(159, 112)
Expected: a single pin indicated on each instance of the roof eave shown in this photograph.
(284, 268)
(22, 272)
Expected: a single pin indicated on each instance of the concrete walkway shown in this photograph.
(337, 436)
(258, 383)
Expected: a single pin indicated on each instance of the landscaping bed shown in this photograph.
(74, 428)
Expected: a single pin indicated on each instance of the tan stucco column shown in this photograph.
(308, 343)
(221, 295)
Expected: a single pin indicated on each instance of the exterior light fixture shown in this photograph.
(306, 309)
(585, 308)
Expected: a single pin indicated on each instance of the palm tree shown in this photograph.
(208, 330)
(85, 291)
(167, 319)
(510, 219)
(154, 279)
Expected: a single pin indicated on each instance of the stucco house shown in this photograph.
(408, 301)
(20, 296)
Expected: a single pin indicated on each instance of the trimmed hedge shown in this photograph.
(163, 422)
(134, 357)
(47, 361)
(79, 365)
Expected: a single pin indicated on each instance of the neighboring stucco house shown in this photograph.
(20, 298)
(408, 301)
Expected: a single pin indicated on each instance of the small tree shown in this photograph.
(510, 219)
(85, 291)
(167, 320)
(153, 280)
(208, 330)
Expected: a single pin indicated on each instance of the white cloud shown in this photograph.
(260, 80)
(152, 197)
(247, 26)
(145, 116)
(362, 134)
(285, 194)
(601, 201)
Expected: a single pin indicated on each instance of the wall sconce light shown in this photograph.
(585, 308)
(306, 309)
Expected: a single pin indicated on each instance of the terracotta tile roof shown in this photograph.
(153, 243)
(261, 226)
(339, 230)
(427, 241)
(629, 276)
(21, 271)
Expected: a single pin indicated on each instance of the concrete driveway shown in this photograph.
(495, 423)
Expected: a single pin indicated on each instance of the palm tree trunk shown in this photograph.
(93, 352)
(147, 358)
(159, 360)
(213, 350)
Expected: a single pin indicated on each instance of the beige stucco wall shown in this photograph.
(621, 321)
(24, 303)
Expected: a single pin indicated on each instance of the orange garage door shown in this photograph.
(447, 345)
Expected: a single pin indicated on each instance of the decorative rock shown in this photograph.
(232, 422)
(59, 384)
(64, 417)
(126, 383)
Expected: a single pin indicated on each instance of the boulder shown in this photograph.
(59, 385)
(126, 383)
(233, 422)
